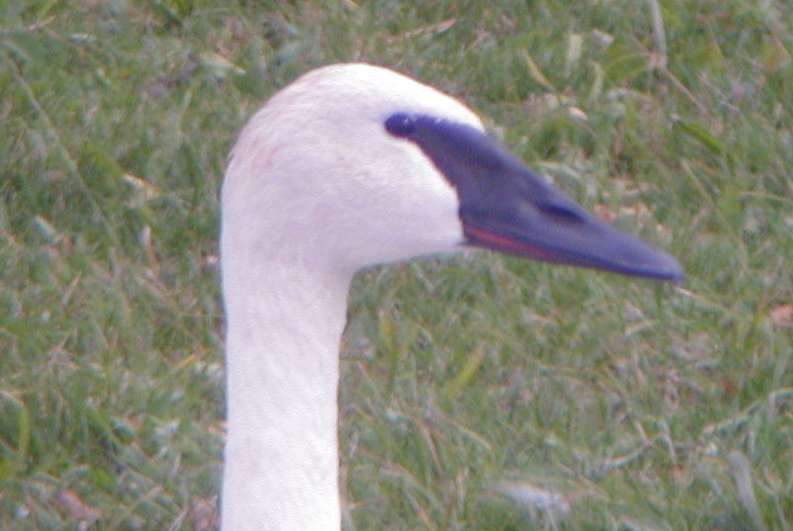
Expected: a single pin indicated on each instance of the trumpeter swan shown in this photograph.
(348, 166)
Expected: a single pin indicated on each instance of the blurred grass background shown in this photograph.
(480, 392)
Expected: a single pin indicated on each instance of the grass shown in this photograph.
(480, 392)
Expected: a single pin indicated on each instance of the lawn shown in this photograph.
(479, 392)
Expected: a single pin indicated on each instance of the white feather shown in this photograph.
(315, 189)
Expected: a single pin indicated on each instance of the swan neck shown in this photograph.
(284, 327)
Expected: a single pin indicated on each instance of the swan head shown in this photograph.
(353, 165)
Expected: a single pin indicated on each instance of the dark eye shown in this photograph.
(400, 124)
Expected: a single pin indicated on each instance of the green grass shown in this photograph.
(469, 385)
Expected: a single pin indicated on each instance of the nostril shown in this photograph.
(562, 212)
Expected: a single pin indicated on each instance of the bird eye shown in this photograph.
(400, 124)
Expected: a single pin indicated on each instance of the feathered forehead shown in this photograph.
(373, 92)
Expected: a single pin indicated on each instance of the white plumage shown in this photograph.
(315, 190)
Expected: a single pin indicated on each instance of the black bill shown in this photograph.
(504, 206)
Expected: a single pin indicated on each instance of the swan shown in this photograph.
(348, 166)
